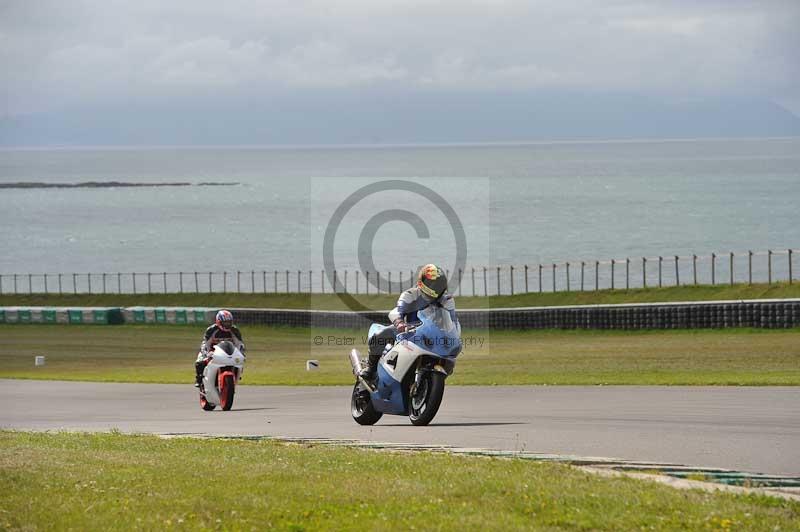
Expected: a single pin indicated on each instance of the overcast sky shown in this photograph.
(57, 54)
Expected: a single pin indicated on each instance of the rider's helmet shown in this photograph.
(432, 281)
(224, 320)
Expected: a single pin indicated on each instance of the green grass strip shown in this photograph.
(277, 355)
(120, 482)
(332, 302)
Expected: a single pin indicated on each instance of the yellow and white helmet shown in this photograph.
(432, 281)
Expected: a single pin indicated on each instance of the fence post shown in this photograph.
(310, 285)
(613, 264)
(287, 281)
(225, 282)
(104, 283)
(389, 286)
(15, 283)
(485, 289)
(644, 272)
(526, 278)
(790, 266)
(660, 261)
(180, 282)
(460, 280)
(345, 281)
(252, 281)
(694, 268)
(74, 283)
(322, 281)
(30, 283)
(378, 282)
(498, 280)
(119, 282)
(133, 281)
(473, 281)
(677, 273)
(731, 268)
(567, 276)
(1, 283)
(366, 280)
(210, 283)
(554, 277)
(59, 284)
(540, 278)
(583, 268)
(357, 276)
(196, 284)
(713, 268)
(298, 281)
(264, 280)
(275, 282)
(627, 273)
(769, 266)
(596, 275)
(511, 276)
(165, 282)
(238, 282)
(149, 283)
(45, 283)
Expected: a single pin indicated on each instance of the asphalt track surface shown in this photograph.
(751, 429)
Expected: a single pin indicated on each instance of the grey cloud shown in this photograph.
(60, 54)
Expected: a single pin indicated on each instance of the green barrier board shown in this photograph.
(24, 316)
(2, 316)
(49, 316)
(199, 316)
(138, 316)
(75, 316)
(180, 316)
(161, 315)
(100, 316)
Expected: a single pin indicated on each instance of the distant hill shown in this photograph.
(369, 117)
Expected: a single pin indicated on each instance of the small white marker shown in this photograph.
(38, 360)
(312, 365)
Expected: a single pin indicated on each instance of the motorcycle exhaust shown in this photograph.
(355, 361)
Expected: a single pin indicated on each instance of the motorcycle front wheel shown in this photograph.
(361, 406)
(226, 392)
(427, 398)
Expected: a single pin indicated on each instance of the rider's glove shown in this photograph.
(400, 325)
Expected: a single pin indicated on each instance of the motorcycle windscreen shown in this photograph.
(438, 334)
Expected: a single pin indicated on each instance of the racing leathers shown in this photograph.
(408, 304)
(214, 335)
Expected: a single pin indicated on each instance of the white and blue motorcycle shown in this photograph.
(411, 372)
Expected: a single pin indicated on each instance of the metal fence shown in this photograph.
(566, 276)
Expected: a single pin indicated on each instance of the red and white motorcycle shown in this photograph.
(220, 376)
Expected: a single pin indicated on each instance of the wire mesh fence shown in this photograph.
(749, 267)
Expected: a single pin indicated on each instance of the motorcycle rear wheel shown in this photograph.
(425, 402)
(204, 404)
(361, 407)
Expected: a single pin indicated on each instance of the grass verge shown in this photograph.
(144, 482)
(332, 302)
(277, 355)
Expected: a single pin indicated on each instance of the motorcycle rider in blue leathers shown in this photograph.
(431, 289)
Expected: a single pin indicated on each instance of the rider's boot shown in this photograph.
(198, 378)
(368, 372)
